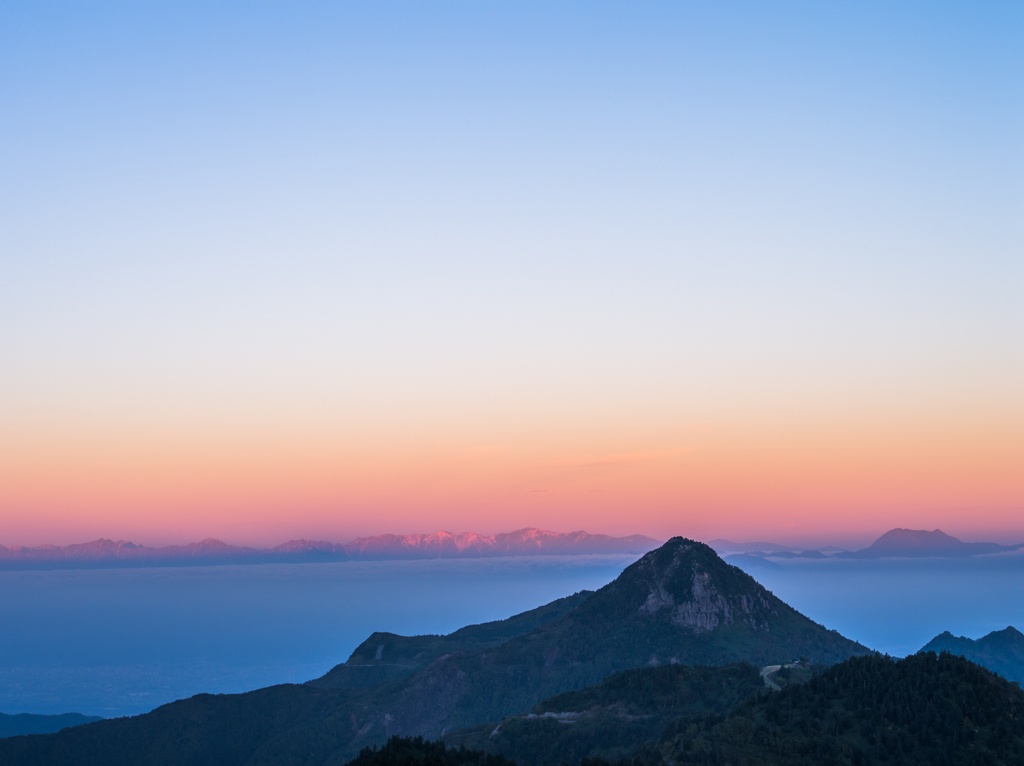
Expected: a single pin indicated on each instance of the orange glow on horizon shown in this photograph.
(786, 480)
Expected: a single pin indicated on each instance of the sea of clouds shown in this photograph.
(123, 641)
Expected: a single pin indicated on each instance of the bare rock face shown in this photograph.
(686, 589)
(707, 607)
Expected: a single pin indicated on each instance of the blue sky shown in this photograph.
(627, 215)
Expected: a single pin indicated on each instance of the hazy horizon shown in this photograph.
(848, 542)
(132, 639)
(122, 641)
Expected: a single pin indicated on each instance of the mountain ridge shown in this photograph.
(1001, 651)
(105, 553)
(678, 604)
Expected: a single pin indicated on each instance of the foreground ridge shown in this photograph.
(925, 709)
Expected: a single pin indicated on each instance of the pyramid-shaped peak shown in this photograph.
(686, 584)
(681, 546)
(679, 553)
(682, 602)
(674, 562)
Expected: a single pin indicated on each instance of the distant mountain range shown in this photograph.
(896, 543)
(1001, 651)
(104, 553)
(27, 723)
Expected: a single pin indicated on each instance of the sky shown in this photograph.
(282, 270)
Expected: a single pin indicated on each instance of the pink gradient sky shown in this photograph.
(817, 482)
(746, 273)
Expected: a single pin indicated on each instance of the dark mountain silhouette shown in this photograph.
(524, 542)
(415, 751)
(678, 604)
(916, 543)
(27, 723)
(1001, 651)
(386, 656)
(920, 711)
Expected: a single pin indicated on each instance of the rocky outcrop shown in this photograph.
(706, 607)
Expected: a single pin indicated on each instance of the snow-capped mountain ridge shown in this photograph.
(103, 553)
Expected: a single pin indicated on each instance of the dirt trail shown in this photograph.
(767, 672)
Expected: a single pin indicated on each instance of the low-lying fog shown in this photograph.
(898, 605)
(120, 642)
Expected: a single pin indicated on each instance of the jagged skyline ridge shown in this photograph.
(387, 547)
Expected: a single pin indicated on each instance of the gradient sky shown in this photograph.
(278, 270)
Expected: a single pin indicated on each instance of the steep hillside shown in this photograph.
(1001, 651)
(409, 751)
(926, 709)
(612, 719)
(678, 604)
(280, 724)
(387, 656)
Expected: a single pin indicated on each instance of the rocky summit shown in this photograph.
(682, 603)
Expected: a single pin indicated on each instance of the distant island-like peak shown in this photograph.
(917, 543)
